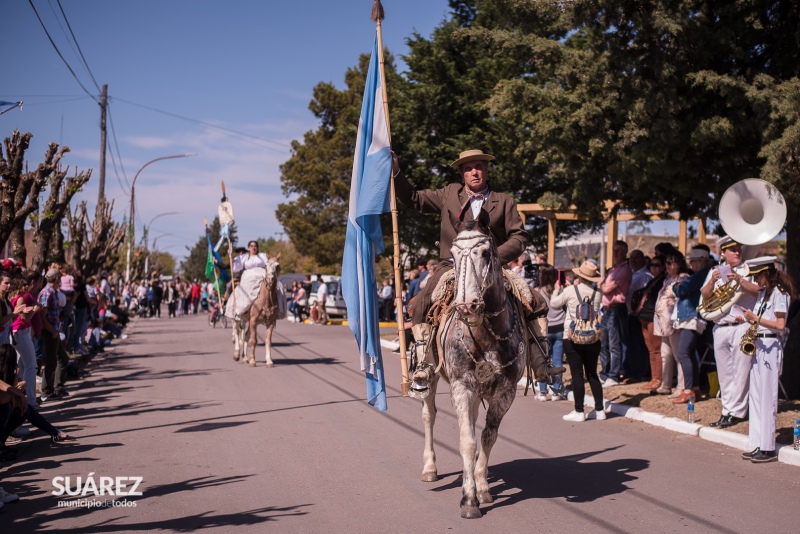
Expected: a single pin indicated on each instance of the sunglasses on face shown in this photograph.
(656, 265)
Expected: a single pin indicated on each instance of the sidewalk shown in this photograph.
(786, 453)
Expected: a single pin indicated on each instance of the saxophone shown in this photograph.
(748, 343)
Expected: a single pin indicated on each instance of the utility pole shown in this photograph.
(101, 191)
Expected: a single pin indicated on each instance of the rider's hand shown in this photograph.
(395, 164)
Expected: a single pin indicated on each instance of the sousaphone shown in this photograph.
(752, 212)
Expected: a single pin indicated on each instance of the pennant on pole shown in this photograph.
(369, 197)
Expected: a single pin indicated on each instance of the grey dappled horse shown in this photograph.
(483, 347)
(264, 310)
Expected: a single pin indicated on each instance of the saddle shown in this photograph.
(444, 292)
(530, 306)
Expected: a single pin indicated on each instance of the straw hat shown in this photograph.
(589, 271)
(471, 155)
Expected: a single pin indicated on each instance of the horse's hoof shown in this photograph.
(252, 364)
(430, 477)
(471, 512)
(485, 498)
(236, 357)
(270, 364)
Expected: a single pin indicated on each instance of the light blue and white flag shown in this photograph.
(369, 197)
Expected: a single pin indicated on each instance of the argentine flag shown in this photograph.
(369, 197)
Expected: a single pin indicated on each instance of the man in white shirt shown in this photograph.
(386, 294)
(733, 367)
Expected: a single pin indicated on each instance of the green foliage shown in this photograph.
(194, 266)
(643, 103)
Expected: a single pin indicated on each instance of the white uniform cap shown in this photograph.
(761, 264)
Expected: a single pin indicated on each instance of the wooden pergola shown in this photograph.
(613, 215)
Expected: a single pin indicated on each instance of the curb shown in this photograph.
(786, 453)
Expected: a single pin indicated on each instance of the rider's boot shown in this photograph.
(539, 351)
(421, 369)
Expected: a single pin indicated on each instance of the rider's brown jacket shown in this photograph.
(504, 220)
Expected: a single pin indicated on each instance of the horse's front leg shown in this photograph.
(429, 473)
(465, 403)
(253, 341)
(268, 344)
(494, 414)
(237, 338)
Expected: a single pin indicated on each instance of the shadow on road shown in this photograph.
(568, 477)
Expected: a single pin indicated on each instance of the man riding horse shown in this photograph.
(506, 227)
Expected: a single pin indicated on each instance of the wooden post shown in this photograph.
(101, 185)
(613, 235)
(701, 231)
(682, 237)
(551, 241)
(377, 16)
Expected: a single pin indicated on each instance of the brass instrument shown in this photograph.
(752, 212)
(748, 343)
(723, 299)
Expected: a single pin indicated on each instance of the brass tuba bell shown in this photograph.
(752, 212)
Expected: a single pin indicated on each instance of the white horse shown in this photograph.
(483, 347)
(264, 310)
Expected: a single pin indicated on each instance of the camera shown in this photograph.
(531, 273)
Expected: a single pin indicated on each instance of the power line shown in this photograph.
(208, 124)
(85, 63)
(116, 144)
(59, 52)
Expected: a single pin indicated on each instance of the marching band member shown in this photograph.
(252, 259)
(733, 369)
(767, 321)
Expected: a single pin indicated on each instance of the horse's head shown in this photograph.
(273, 270)
(476, 264)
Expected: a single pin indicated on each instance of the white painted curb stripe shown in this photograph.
(786, 453)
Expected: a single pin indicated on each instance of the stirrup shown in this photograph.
(420, 381)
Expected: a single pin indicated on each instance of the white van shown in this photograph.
(334, 304)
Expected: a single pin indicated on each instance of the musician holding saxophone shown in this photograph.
(763, 351)
(733, 368)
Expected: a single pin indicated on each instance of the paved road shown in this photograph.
(296, 449)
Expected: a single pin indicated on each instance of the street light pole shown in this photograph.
(146, 237)
(131, 227)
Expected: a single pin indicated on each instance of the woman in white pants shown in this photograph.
(663, 322)
(769, 314)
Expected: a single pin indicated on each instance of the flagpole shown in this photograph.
(230, 259)
(377, 16)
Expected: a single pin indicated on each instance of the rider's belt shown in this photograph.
(767, 336)
(727, 324)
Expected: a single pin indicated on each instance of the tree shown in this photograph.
(48, 222)
(94, 244)
(19, 190)
(194, 266)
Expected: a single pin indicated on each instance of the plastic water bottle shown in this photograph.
(690, 412)
(797, 435)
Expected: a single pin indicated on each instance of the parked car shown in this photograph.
(334, 304)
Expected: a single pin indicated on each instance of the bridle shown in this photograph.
(466, 263)
(484, 369)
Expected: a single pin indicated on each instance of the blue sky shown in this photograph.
(248, 66)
